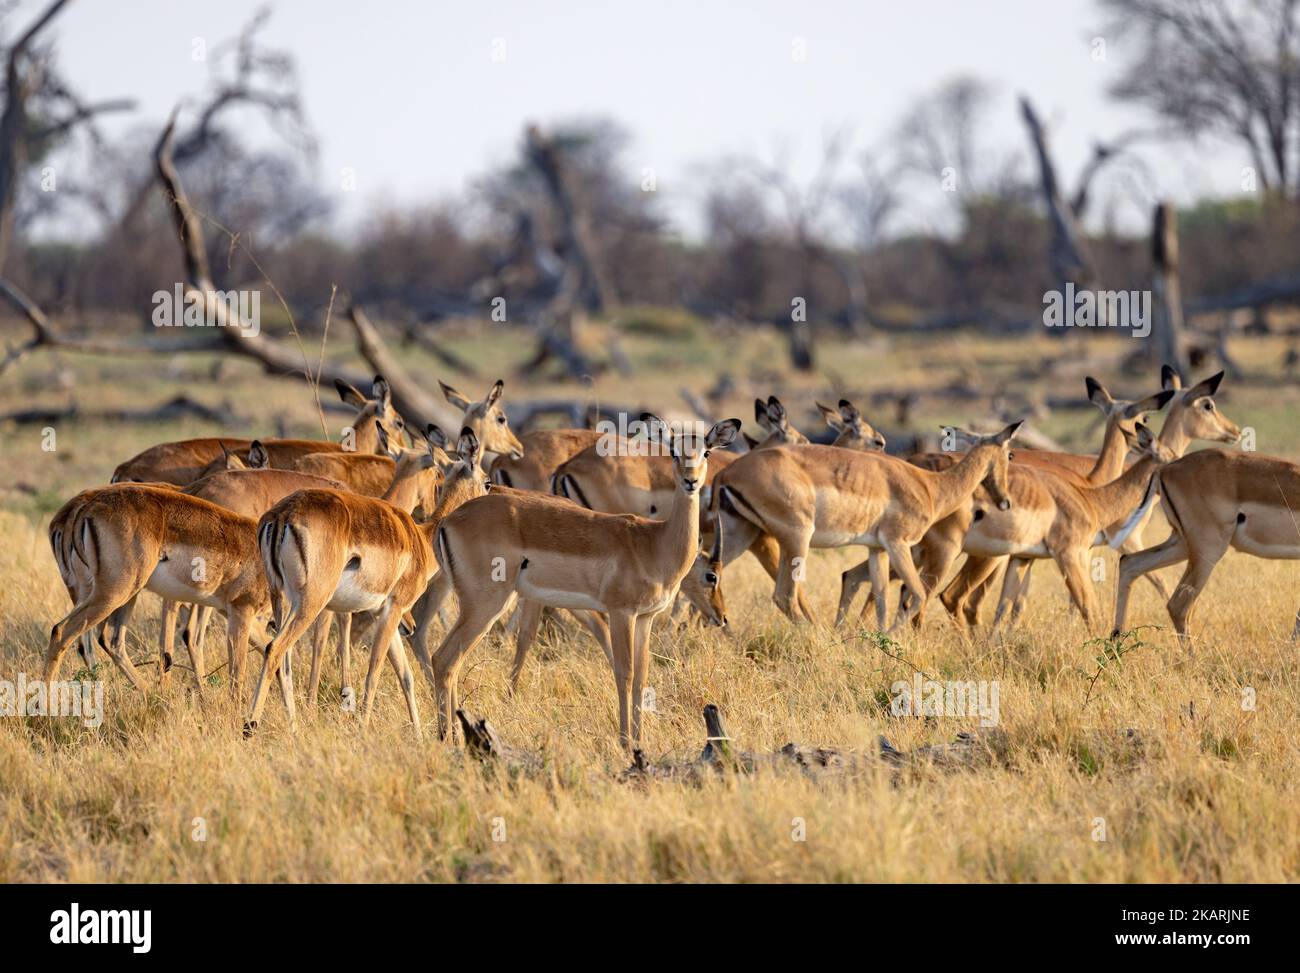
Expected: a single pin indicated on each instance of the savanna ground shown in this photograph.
(1212, 794)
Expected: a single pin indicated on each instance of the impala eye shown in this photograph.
(711, 579)
(1208, 407)
(501, 420)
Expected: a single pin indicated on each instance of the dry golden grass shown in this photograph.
(1212, 795)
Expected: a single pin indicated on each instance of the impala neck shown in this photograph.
(1110, 461)
(1172, 436)
(1116, 499)
(956, 484)
(678, 540)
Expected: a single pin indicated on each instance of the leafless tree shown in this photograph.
(1223, 67)
(40, 111)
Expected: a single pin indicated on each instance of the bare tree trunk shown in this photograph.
(1170, 343)
(1067, 255)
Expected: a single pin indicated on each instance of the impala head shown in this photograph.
(771, 415)
(419, 472)
(994, 452)
(854, 431)
(463, 479)
(257, 458)
(487, 419)
(1194, 413)
(689, 450)
(1125, 415)
(702, 585)
(373, 413)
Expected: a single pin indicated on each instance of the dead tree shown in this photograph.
(29, 77)
(1068, 257)
(1169, 344)
(275, 357)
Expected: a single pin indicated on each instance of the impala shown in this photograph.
(1193, 414)
(134, 537)
(486, 419)
(771, 417)
(702, 588)
(943, 542)
(329, 550)
(553, 552)
(184, 462)
(1214, 500)
(819, 496)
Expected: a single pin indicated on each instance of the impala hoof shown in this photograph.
(167, 662)
(249, 727)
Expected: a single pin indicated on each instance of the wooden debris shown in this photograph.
(483, 743)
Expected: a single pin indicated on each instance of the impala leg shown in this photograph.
(238, 625)
(900, 558)
(1022, 591)
(195, 649)
(1134, 566)
(298, 619)
(320, 633)
(113, 639)
(99, 602)
(1011, 583)
(622, 630)
(428, 607)
(594, 622)
(878, 567)
(640, 667)
(530, 617)
(406, 679)
(1201, 560)
(850, 581)
(284, 677)
(170, 610)
(386, 626)
(475, 619)
(347, 694)
(794, 562)
(1074, 567)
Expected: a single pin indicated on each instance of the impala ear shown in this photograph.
(1097, 394)
(258, 457)
(656, 430)
(380, 390)
(1144, 437)
(386, 446)
(349, 394)
(1009, 433)
(1169, 378)
(849, 411)
(776, 412)
(454, 397)
(468, 448)
(495, 394)
(760, 414)
(436, 437)
(832, 417)
(1152, 403)
(1207, 387)
(722, 433)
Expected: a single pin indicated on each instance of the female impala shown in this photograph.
(486, 419)
(184, 462)
(553, 552)
(943, 542)
(819, 496)
(1214, 500)
(544, 451)
(132, 537)
(330, 550)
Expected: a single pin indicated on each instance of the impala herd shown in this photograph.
(283, 536)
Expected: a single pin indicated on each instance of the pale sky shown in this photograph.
(408, 95)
